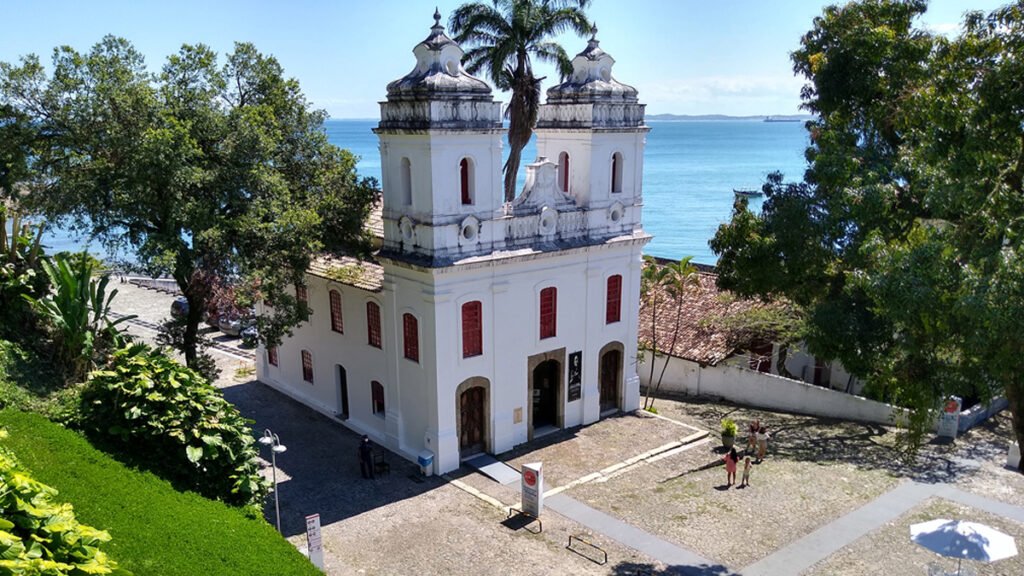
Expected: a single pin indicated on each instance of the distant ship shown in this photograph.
(780, 119)
(747, 192)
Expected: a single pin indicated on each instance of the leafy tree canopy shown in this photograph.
(904, 239)
(208, 169)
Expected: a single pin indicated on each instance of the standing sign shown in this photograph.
(313, 541)
(949, 420)
(533, 489)
(575, 375)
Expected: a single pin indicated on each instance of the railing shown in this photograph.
(540, 525)
(589, 546)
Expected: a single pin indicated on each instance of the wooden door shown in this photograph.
(471, 408)
(611, 364)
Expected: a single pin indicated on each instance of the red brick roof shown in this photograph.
(699, 339)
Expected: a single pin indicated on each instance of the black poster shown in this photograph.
(575, 375)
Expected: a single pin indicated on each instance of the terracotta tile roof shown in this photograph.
(364, 274)
(699, 340)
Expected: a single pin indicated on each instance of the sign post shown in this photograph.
(949, 420)
(533, 489)
(313, 541)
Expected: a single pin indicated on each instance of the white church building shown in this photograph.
(481, 324)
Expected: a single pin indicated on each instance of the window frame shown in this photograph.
(466, 175)
(410, 337)
(613, 299)
(377, 391)
(337, 311)
(307, 366)
(472, 329)
(548, 312)
(373, 325)
(272, 358)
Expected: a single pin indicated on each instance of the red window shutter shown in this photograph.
(307, 366)
(464, 173)
(548, 312)
(411, 337)
(337, 322)
(272, 356)
(613, 309)
(373, 324)
(472, 329)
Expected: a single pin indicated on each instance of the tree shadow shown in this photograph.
(646, 569)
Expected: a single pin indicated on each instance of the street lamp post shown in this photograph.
(271, 439)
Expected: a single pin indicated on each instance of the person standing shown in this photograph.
(731, 460)
(746, 472)
(366, 458)
(762, 442)
(752, 436)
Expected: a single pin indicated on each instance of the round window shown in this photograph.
(469, 231)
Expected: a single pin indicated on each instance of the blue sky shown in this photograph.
(685, 56)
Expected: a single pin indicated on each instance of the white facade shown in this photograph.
(452, 246)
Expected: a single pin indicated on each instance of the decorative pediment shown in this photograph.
(541, 189)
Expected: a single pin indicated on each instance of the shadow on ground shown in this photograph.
(319, 472)
(638, 569)
(865, 445)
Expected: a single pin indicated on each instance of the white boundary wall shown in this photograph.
(762, 390)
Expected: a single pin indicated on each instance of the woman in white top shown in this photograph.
(762, 442)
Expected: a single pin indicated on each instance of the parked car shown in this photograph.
(250, 336)
(233, 325)
(179, 308)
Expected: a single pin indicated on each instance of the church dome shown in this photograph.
(591, 79)
(438, 74)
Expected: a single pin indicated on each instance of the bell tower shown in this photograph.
(440, 144)
(592, 127)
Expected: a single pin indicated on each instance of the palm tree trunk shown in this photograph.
(654, 349)
(512, 170)
(671, 348)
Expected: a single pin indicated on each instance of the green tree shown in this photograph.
(503, 36)
(205, 170)
(903, 240)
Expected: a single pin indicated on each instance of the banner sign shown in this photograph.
(575, 375)
(533, 489)
(313, 541)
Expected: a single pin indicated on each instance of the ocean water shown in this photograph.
(690, 170)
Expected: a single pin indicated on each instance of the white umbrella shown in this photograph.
(963, 540)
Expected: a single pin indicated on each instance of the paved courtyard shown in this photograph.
(830, 498)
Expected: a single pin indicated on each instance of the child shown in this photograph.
(746, 472)
(731, 460)
(762, 442)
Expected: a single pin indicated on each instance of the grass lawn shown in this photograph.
(156, 530)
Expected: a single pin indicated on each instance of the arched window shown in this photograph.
(613, 300)
(466, 180)
(307, 366)
(406, 175)
(472, 329)
(617, 172)
(337, 322)
(411, 337)
(373, 324)
(563, 172)
(377, 398)
(548, 312)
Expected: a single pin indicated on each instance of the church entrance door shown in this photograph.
(546, 382)
(611, 374)
(471, 419)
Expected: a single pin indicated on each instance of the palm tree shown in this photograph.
(656, 282)
(502, 37)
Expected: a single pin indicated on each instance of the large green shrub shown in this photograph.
(168, 417)
(41, 536)
(79, 311)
